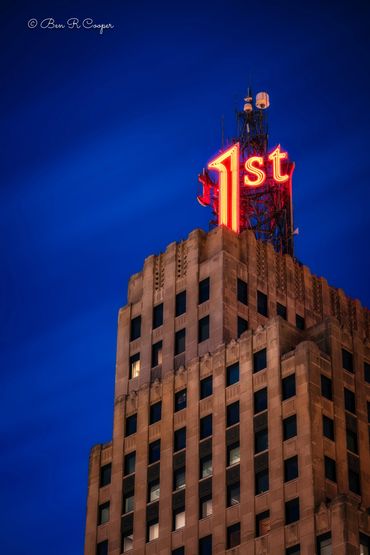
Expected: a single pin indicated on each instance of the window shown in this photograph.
(262, 523)
(261, 440)
(349, 400)
(328, 427)
(205, 467)
(290, 427)
(179, 478)
(288, 387)
(233, 535)
(324, 546)
(291, 468)
(326, 387)
(153, 491)
(152, 530)
(178, 551)
(242, 291)
(233, 494)
(154, 451)
(242, 325)
(102, 548)
(367, 372)
(135, 328)
(128, 542)
(259, 360)
(180, 303)
(260, 400)
(128, 503)
(294, 550)
(232, 374)
(354, 481)
(299, 322)
(203, 329)
(180, 439)
(203, 290)
(129, 463)
(105, 475)
(232, 414)
(281, 310)
(205, 428)
(233, 454)
(262, 481)
(157, 316)
(131, 423)
(205, 546)
(368, 412)
(178, 518)
(364, 544)
(205, 508)
(103, 516)
(292, 511)
(352, 443)
(157, 354)
(134, 366)
(206, 387)
(330, 469)
(179, 342)
(155, 412)
(347, 360)
(180, 400)
(262, 303)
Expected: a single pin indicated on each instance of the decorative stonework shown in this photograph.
(158, 272)
(280, 273)
(299, 282)
(352, 315)
(317, 294)
(261, 255)
(335, 303)
(181, 259)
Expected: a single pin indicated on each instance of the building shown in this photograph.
(241, 409)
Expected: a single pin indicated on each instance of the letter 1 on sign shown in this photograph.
(227, 165)
(259, 175)
(276, 156)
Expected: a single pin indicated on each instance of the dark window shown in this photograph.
(232, 374)
(262, 523)
(242, 325)
(288, 386)
(203, 329)
(105, 475)
(330, 469)
(205, 546)
(259, 360)
(179, 342)
(205, 467)
(232, 414)
(135, 329)
(158, 316)
(103, 515)
(328, 427)
(102, 548)
(233, 535)
(354, 481)
(347, 360)
(262, 481)
(242, 291)
(261, 442)
(155, 412)
(292, 511)
(290, 427)
(134, 366)
(364, 543)
(233, 494)
(367, 372)
(281, 310)
(203, 290)
(352, 443)
(324, 546)
(299, 322)
(180, 400)
(131, 422)
(206, 387)
(180, 303)
(326, 387)
(180, 439)
(154, 451)
(179, 478)
(205, 428)
(178, 551)
(129, 463)
(157, 354)
(262, 303)
(260, 400)
(368, 412)
(291, 468)
(349, 400)
(293, 550)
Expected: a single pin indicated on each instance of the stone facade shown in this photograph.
(319, 332)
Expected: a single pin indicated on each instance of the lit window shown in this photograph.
(157, 316)
(103, 513)
(157, 354)
(259, 360)
(128, 542)
(206, 507)
(232, 374)
(205, 467)
(134, 366)
(233, 454)
(128, 503)
(135, 329)
(242, 291)
(153, 531)
(203, 290)
(153, 491)
(179, 519)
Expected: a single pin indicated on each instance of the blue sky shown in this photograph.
(103, 138)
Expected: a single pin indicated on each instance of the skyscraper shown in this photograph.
(242, 399)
